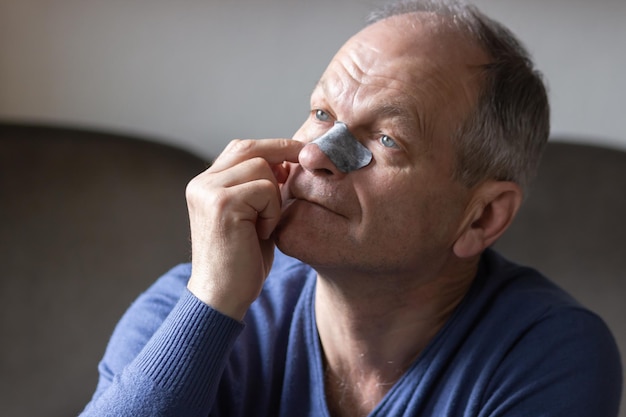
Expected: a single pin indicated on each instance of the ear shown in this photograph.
(493, 207)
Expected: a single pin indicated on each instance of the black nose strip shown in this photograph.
(343, 149)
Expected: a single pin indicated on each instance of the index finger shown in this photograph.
(274, 151)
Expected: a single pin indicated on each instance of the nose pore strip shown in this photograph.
(343, 149)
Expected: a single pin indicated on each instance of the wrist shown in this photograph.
(224, 303)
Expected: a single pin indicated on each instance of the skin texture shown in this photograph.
(395, 244)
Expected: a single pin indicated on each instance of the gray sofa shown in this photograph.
(89, 219)
(573, 228)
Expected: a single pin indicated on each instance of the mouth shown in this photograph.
(296, 196)
(319, 195)
(307, 201)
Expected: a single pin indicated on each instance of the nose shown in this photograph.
(336, 151)
(312, 159)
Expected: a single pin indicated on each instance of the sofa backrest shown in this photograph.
(572, 227)
(87, 221)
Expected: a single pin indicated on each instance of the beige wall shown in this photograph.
(200, 72)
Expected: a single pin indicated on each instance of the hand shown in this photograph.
(234, 207)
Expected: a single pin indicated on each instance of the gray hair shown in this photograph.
(504, 136)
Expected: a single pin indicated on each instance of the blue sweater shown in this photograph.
(516, 346)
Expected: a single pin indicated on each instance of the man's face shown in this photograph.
(402, 91)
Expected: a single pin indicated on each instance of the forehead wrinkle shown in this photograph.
(356, 75)
(349, 70)
(401, 105)
(404, 113)
(331, 89)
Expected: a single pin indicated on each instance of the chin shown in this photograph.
(307, 244)
(292, 241)
(315, 235)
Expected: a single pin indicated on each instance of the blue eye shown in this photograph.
(321, 115)
(388, 142)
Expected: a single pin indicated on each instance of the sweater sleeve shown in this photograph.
(166, 355)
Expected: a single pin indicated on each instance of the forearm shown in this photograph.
(177, 371)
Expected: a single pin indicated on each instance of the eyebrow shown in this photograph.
(391, 108)
(407, 121)
(397, 109)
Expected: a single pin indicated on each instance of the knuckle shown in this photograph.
(200, 196)
(286, 143)
(198, 188)
(267, 186)
(240, 145)
(218, 199)
(257, 163)
(192, 194)
(192, 188)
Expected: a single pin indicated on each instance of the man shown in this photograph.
(395, 306)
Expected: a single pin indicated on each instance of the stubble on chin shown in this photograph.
(298, 236)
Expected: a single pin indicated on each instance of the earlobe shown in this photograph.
(493, 208)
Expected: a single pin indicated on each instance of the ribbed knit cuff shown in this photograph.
(188, 353)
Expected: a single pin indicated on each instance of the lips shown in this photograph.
(321, 196)
(308, 200)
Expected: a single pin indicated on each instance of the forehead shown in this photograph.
(406, 59)
(417, 40)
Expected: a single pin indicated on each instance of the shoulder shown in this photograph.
(547, 345)
(519, 299)
(523, 291)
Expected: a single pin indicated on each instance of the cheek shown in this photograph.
(391, 208)
(407, 212)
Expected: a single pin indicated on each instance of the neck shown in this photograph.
(373, 328)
